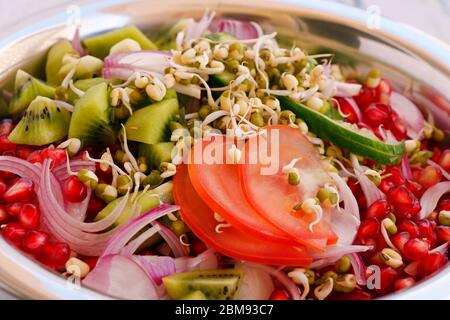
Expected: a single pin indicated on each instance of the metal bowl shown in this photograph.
(416, 64)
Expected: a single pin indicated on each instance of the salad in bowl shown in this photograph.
(214, 160)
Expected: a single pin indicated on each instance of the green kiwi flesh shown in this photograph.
(151, 124)
(100, 45)
(44, 122)
(26, 89)
(214, 284)
(91, 118)
(54, 60)
(156, 153)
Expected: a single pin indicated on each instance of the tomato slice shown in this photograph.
(219, 187)
(231, 242)
(272, 196)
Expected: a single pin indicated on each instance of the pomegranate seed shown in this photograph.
(388, 276)
(444, 204)
(431, 263)
(35, 157)
(403, 201)
(55, 255)
(443, 234)
(404, 283)
(92, 261)
(57, 155)
(6, 126)
(29, 216)
(4, 216)
(394, 175)
(279, 294)
(347, 109)
(400, 239)
(95, 205)
(429, 176)
(21, 191)
(3, 188)
(14, 232)
(397, 126)
(14, 208)
(74, 190)
(6, 175)
(23, 152)
(415, 249)
(103, 176)
(34, 241)
(436, 154)
(365, 97)
(410, 227)
(444, 160)
(198, 247)
(426, 229)
(380, 209)
(384, 87)
(386, 185)
(377, 114)
(368, 229)
(415, 188)
(376, 259)
(6, 146)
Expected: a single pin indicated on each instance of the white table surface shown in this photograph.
(431, 16)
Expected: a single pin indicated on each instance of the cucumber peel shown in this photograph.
(344, 135)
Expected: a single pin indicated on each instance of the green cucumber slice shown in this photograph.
(151, 124)
(156, 153)
(344, 135)
(100, 45)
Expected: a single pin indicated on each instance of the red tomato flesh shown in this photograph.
(219, 187)
(271, 194)
(231, 242)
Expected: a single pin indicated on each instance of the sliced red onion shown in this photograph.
(346, 194)
(359, 268)
(411, 268)
(78, 210)
(431, 197)
(444, 172)
(128, 231)
(195, 30)
(406, 168)
(76, 42)
(172, 240)
(410, 114)
(120, 277)
(439, 110)
(158, 267)
(442, 249)
(345, 226)
(121, 73)
(21, 168)
(256, 284)
(134, 245)
(146, 60)
(345, 89)
(370, 190)
(61, 173)
(289, 285)
(337, 251)
(242, 30)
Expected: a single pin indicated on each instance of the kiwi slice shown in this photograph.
(54, 60)
(100, 45)
(3, 107)
(156, 153)
(214, 284)
(26, 89)
(85, 84)
(151, 124)
(44, 122)
(145, 201)
(91, 118)
(196, 295)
